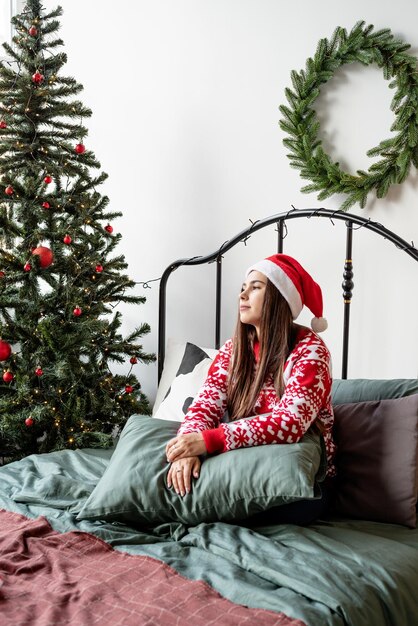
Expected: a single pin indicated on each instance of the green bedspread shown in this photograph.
(339, 572)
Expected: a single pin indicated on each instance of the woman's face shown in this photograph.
(251, 299)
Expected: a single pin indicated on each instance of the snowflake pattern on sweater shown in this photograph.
(307, 398)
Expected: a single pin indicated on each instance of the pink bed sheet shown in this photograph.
(50, 579)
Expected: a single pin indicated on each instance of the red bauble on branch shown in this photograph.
(48, 179)
(46, 205)
(5, 350)
(2, 274)
(77, 311)
(3, 124)
(46, 257)
(8, 376)
(39, 371)
(38, 78)
(80, 148)
(27, 267)
(108, 228)
(9, 190)
(99, 268)
(33, 31)
(67, 240)
(129, 389)
(29, 421)
(133, 360)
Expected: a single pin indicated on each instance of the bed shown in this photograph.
(70, 553)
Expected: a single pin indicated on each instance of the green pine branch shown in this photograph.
(299, 121)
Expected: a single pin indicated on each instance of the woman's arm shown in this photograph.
(209, 405)
(205, 412)
(203, 416)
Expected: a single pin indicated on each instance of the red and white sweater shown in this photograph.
(307, 397)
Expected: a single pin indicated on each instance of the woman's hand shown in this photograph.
(184, 446)
(180, 474)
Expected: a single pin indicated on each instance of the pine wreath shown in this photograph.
(300, 122)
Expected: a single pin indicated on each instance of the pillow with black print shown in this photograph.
(175, 396)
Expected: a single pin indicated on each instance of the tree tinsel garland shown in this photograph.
(300, 121)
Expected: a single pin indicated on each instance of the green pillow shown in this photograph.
(233, 485)
(366, 390)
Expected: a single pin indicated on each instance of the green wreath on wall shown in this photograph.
(301, 124)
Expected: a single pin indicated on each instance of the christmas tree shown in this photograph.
(61, 280)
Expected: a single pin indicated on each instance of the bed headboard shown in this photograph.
(351, 223)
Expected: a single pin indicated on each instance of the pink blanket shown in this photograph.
(50, 579)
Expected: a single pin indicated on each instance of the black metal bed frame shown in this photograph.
(280, 220)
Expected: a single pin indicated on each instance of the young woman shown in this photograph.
(274, 373)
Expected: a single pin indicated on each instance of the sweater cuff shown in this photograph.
(214, 439)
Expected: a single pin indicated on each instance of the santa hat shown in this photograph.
(296, 286)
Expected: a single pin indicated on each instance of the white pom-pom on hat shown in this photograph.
(319, 324)
(296, 286)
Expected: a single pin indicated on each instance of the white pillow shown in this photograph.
(185, 370)
(173, 355)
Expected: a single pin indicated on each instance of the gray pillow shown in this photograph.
(233, 485)
(364, 389)
(377, 461)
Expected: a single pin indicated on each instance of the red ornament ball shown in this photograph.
(8, 377)
(33, 31)
(133, 360)
(46, 205)
(77, 311)
(9, 190)
(109, 228)
(46, 257)
(2, 274)
(38, 78)
(29, 421)
(39, 371)
(27, 267)
(80, 148)
(129, 389)
(48, 179)
(67, 240)
(3, 124)
(5, 350)
(99, 268)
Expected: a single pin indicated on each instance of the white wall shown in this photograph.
(185, 96)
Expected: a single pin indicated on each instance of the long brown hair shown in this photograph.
(277, 336)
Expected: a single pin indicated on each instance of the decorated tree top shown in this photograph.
(60, 279)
